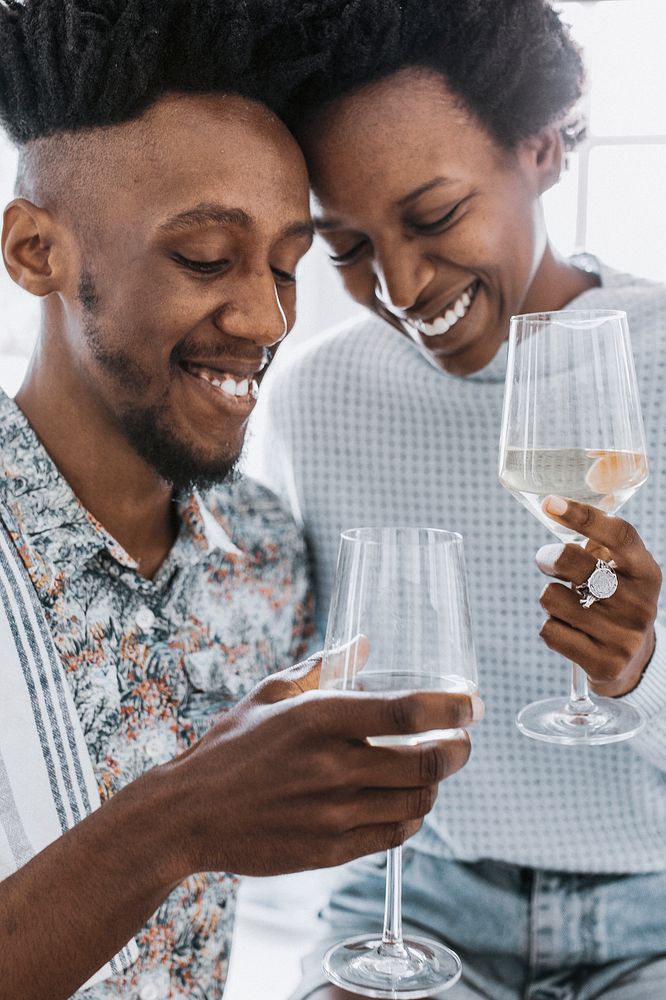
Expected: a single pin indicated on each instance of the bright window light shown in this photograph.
(626, 60)
(626, 212)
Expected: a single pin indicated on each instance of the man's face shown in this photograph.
(186, 280)
(433, 226)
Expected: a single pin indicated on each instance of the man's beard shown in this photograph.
(146, 428)
(147, 431)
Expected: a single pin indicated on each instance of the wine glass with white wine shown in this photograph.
(572, 427)
(404, 590)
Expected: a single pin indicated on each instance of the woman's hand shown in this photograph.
(612, 640)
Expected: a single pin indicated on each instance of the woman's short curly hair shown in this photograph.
(512, 63)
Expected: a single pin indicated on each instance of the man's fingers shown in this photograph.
(305, 676)
(405, 767)
(357, 715)
(340, 666)
(617, 535)
(336, 665)
(371, 839)
(289, 683)
(381, 806)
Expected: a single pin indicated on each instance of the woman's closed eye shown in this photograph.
(344, 257)
(438, 224)
(348, 256)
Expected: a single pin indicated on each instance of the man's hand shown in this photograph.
(613, 640)
(286, 781)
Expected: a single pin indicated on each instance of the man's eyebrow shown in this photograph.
(305, 228)
(204, 215)
(223, 215)
(428, 186)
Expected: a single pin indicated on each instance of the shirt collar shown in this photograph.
(57, 534)
(201, 527)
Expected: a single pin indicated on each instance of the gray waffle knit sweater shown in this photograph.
(358, 428)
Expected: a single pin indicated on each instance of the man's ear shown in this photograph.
(29, 241)
(546, 150)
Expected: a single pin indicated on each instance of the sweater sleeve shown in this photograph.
(650, 699)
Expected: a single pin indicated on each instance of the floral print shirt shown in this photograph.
(152, 662)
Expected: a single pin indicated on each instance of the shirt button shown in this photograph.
(155, 746)
(149, 992)
(145, 619)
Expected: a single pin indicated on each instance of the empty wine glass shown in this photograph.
(405, 590)
(572, 427)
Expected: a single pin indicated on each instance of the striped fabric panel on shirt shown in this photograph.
(42, 673)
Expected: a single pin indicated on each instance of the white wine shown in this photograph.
(603, 479)
(394, 682)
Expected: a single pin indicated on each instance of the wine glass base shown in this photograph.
(419, 969)
(552, 721)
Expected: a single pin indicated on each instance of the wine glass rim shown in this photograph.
(365, 534)
(568, 314)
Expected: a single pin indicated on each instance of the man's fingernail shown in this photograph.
(556, 505)
(478, 708)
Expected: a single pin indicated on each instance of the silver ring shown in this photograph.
(601, 584)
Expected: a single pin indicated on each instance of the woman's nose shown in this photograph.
(401, 280)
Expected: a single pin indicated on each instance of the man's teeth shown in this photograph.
(455, 312)
(229, 385)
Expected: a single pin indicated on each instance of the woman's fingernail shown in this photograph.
(549, 553)
(478, 708)
(556, 505)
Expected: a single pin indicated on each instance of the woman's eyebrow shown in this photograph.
(428, 186)
(323, 224)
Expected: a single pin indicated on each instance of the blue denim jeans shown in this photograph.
(521, 934)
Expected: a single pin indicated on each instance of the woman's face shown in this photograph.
(433, 225)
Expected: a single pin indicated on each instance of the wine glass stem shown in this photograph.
(580, 701)
(392, 935)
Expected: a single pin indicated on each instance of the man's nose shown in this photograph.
(401, 278)
(255, 312)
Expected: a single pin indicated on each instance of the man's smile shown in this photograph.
(229, 383)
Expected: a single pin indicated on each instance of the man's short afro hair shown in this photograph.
(67, 65)
(511, 62)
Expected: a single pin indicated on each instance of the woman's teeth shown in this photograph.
(457, 310)
(229, 385)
